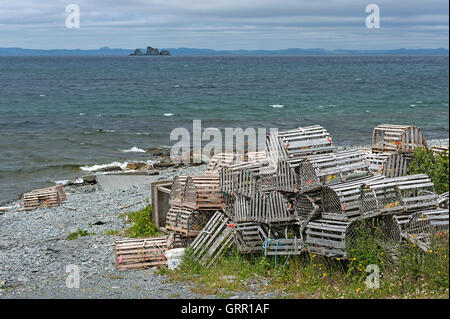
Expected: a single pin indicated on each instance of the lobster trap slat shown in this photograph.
(300, 142)
(397, 138)
(186, 221)
(344, 200)
(389, 164)
(202, 192)
(44, 197)
(283, 246)
(327, 238)
(443, 200)
(250, 237)
(220, 160)
(327, 169)
(270, 208)
(140, 253)
(215, 238)
(177, 194)
(400, 194)
(240, 178)
(424, 228)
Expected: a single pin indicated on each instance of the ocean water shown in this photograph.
(61, 114)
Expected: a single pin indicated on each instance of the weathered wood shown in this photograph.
(250, 237)
(397, 138)
(202, 192)
(443, 200)
(220, 160)
(425, 226)
(389, 164)
(44, 197)
(161, 193)
(177, 194)
(140, 253)
(187, 221)
(215, 238)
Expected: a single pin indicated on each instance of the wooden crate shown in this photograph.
(177, 195)
(422, 226)
(44, 197)
(332, 168)
(140, 253)
(202, 192)
(256, 156)
(186, 221)
(440, 149)
(299, 143)
(389, 164)
(397, 138)
(250, 237)
(343, 201)
(215, 238)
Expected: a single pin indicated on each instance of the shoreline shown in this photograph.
(156, 164)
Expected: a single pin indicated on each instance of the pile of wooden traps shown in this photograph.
(305, 195)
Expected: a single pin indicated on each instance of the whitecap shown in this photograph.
(134, 149)
(42, 95)
(277, 106)
(100, 166)
(176, 86)
(81, 114)
(168, 114)
(62, 182)
(412, 105)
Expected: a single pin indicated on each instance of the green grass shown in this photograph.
(415, 274)
(113, 232)
(142, 224)
(79, 233)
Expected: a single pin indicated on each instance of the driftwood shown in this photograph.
(397, 138)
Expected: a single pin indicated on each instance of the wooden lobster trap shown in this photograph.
(389, 164)
(215, 239)
(426, 228)
(443, 200)
(400, 194)
(250, 236)
(283, 246)
(177, 193)
(258, 156)
(220, 160)
(397, 138)
(271, 208)
(343, 201)
(240, 178)
(299, 142)
(140, 253)
(327, 237)
(44, 197)
(439, 149)
(186, 221)
(332, 168)
(202, 192)
(241, 209)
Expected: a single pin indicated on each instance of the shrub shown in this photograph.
(142, 223)
(435, 165)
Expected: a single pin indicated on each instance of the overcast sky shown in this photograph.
(224, 24)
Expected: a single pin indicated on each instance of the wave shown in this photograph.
(97, 167)
(277, 106)
(168, 114)
(134, 149)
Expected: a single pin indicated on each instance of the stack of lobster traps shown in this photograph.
(304, 195)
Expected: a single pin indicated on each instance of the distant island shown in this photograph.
(150, 51)
(106, 51)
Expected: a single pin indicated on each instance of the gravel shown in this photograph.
(34, 250)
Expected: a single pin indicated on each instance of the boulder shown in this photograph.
(137, 52)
